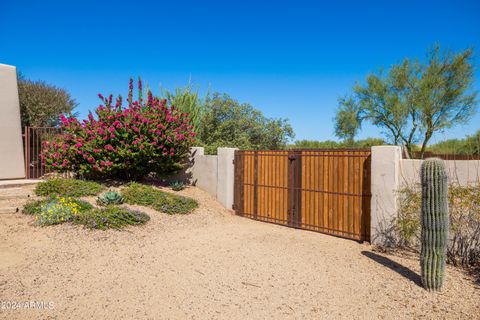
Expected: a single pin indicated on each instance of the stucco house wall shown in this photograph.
(12, 165)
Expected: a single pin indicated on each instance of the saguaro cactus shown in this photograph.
(434, 222)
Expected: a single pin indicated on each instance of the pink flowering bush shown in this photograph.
(125, 142)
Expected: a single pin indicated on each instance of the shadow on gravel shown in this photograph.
(395, 266)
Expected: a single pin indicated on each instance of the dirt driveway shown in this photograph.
(211, 264)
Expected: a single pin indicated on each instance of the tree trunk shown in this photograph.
(428, 135)
(408, 146)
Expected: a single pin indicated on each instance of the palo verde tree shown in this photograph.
(348, 121)
(414, 99)
(41, 104)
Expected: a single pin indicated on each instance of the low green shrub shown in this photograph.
(113, 217)
(144, 195)
(59, 210)
(33, 207)
(464, 209)
(408, 220)
(109, 198)
(68, 187)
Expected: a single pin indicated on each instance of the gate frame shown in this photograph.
(294, 207)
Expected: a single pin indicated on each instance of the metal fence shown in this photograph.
(32, 142)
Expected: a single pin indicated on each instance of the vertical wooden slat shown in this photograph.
(349, 190)
(298, 188)
(306, 183)
(285, 184)
(268, 170)
(255, 185)
(358, 211)
(319, 175)
(330, 188)
(315, 192)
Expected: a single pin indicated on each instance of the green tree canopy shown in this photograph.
(330, 144)
(228, 123)
(414, 99)
(348, 121)
(42, 103)
(467, 146)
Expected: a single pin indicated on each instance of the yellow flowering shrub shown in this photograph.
(58, 210)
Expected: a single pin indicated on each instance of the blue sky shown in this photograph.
(290, 59)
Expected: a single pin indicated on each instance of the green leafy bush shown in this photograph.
(109, 198)
(144, 195)
(464, 208)
(59, 210)
(113, 217)
(177, 185)
(68, 187)
(408, 220)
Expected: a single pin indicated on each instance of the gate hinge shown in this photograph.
(233, 206)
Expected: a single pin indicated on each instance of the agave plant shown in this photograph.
(110, 197)
(177, 185)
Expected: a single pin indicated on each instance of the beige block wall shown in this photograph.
(385, 168)
(461, 172)
(12, 165)
(204, 173)
(390, 173)
(214, 174)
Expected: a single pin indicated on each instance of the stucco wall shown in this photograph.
(384, 185)
(462, 172)
(204, 173)
(390, 173)
(214, 174)
(12, 165)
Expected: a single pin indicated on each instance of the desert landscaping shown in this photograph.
(240, 160)
(213, 264)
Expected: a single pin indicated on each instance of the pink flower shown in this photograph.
(81, 142)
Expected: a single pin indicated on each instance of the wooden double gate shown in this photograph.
(324, 190)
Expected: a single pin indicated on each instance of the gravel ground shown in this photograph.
(211, 264)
